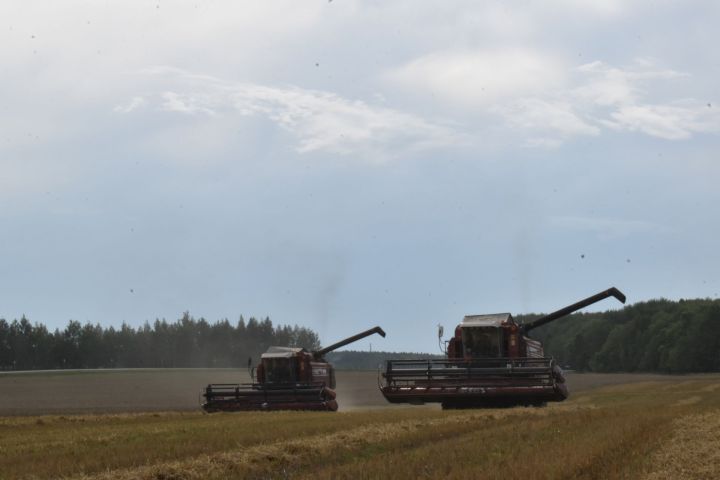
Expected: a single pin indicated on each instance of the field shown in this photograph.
(614, 426)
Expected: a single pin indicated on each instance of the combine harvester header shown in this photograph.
(490, 362)
(288, 378)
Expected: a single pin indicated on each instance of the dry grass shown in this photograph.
(625, 431)
(577, 443)
(94, 443)
(693, 450)
(293, 455)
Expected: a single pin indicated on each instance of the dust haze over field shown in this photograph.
(138, 390)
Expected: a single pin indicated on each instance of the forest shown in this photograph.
(186, 342)
(654, 336)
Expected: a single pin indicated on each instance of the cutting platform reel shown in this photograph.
(476, 383)
(243, 397)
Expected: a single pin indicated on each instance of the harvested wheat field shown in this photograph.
(656, 428)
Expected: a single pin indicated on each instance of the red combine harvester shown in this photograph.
(490, 362)
(287, 379)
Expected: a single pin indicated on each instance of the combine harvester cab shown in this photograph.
(287, 379)
(490, 363)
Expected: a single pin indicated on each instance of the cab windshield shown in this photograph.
(481, 341)
(279, 370)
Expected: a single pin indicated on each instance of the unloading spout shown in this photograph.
(610, 292)
(320, 353)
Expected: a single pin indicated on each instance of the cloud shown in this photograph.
(552, 117)
(133, 104)
(666, 121)
(320, 121)
(182, 103)
(481, 77)
(604, 85)
(624, 93)
(324, 121)
(472, 70)
(547, 102)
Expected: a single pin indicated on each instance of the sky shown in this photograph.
(343, 164)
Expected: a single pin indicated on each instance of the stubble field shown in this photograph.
(614, 426)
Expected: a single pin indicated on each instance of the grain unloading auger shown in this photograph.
(287, 379)
(490, 362)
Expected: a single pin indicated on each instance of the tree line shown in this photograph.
(654, 336)
(186, 342)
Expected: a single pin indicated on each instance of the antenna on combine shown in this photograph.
(441, 331)
(251, 369)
